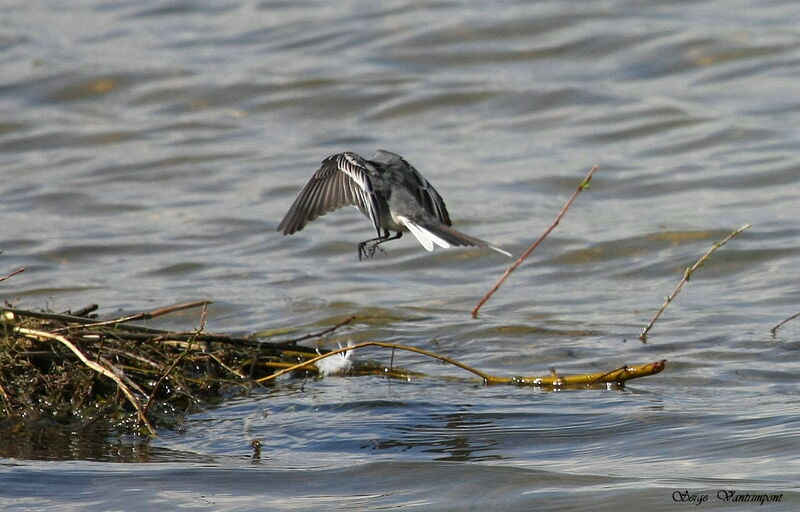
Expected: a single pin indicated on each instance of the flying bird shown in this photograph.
(389, 192)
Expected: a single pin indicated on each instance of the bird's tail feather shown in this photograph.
(430, 233)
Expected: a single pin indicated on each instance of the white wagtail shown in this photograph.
(389, 192)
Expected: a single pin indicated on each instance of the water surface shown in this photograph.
(149, 150)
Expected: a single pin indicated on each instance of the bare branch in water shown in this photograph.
(687, 274)
(18, 271)
(780, 324)
(583, 185)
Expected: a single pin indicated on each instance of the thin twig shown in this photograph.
(121, 374)
(19, 270)
(316, 334)
(145, 316)
(157, 335)
(583, 185)
(133, 356)
(687, 274)
(486, 377)
(225, 366)
(94, 366)
(163, 377)
(84, 311)
(203, 317)
(780, 324)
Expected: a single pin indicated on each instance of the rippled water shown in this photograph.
(148, 151)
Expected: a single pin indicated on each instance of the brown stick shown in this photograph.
(316, 334)
(94, 366)
(583, 185)
(687, 274)
(48, 316)
(780, 324)
(145, 316)
(84, 311)
(19, 270)
(203, 317)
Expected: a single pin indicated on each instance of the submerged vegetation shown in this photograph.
(75, 370)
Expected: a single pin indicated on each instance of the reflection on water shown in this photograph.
(148, 152)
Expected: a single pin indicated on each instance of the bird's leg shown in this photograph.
(366, 249)
(385, 238)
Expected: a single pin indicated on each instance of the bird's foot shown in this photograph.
(367, 249)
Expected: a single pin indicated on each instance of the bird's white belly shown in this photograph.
(392, 223)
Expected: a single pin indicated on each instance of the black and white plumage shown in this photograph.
(389, 192)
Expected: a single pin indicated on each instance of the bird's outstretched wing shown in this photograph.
(342, 180)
